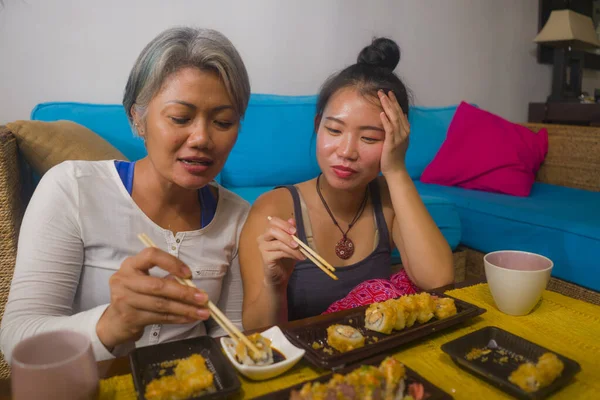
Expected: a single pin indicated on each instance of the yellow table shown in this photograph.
(562, 324)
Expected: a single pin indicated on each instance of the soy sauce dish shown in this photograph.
(279, 355)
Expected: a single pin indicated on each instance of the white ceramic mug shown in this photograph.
(54, 366)
(517, 279)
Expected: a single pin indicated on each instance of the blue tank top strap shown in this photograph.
(125, 169)
(300, 232)
(384, 236)
(209, 205)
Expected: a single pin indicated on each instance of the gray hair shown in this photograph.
(181, 47)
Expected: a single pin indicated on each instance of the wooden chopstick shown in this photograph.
(313, 256)
(314, 253)
(216, 314)
(318, 263)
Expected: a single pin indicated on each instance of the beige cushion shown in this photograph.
(46, 144)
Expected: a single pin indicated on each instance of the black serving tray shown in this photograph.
(306, 334)
(146, 364)
(515, 350)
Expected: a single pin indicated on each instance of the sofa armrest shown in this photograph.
(573, 158)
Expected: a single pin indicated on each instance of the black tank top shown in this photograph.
(310, 291)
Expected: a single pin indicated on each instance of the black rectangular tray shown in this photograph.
(502, 344)
(304, 336)
(433, 392)
(145, 365)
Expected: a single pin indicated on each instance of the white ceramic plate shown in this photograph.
(278, 340)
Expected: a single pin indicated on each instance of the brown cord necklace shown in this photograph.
(344, 249)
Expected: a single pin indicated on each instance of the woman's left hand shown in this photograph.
(397, 130)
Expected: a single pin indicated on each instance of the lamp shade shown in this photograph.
(568, 28)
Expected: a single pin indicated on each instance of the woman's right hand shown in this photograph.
(138, 299)
(279, 251)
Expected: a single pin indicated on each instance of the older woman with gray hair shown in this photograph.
(80, 265)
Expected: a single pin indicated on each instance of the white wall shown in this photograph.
(82, 50)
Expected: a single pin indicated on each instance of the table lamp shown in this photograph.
(569, 33)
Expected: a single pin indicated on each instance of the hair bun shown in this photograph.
(382, 52)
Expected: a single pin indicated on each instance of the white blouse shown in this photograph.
(80, 225)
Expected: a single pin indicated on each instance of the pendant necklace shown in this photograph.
(344, 248)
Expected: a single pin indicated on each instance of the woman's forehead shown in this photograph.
(348, 101)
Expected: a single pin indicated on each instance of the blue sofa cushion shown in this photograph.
(272, 125)
(560, 223)
(250, 193)
(428, 128)
(446, 218)
(107, 120)
(276, 143)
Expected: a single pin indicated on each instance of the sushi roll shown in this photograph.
(400, 314)
(444, 307)
(425, 307)
(393, 372)
(246, 356)
(410, 310)
(526, 377)
(191, 378)
(380, 317)
(549, 368)
(344, 338)
(386, 382)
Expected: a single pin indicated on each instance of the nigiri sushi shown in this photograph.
(344, 338)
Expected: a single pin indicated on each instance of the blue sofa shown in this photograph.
(276, 146)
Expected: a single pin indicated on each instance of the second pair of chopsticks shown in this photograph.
(216, 314)
(313, 256)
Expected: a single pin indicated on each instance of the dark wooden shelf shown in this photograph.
(565, 113)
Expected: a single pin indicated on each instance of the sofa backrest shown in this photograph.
(107, 120)
(276, 143)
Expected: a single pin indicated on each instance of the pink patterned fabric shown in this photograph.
(483, 151)
(375, 290)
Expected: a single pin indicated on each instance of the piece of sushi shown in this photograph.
(444, 307)
(526, 377)
(400, 314)
(191, 378)
(425, 307)
(386, 382)
(549, 368)
(531, 377)
(344, 338)
(380, 317)
(394, 372)
(410, 310)
(246, 356)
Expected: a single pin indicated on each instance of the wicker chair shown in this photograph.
(573, 160)
(10, 219)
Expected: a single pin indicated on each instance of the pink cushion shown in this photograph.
(483, 151)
